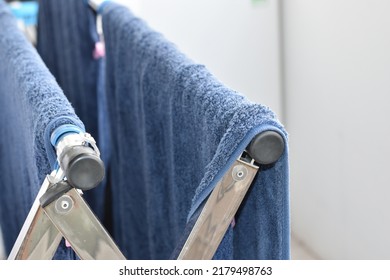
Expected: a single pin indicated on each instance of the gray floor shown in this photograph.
(299, 250)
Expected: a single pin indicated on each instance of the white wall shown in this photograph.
(337, 69)
(237, 40)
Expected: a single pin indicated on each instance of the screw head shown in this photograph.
(64, 204)
(239, 173)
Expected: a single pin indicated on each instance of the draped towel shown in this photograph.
(32, 105)
(175, 129)
(66, 40)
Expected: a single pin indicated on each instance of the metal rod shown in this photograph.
(218, 212)
(38, 238)
(78, 224)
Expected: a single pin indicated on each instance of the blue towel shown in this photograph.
(31, 106)
(66, 41)
(175, 129)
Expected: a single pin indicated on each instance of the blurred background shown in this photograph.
(324, 68)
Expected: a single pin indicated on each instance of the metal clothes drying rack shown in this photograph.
(60, 211)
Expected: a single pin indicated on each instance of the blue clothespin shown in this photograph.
(27, 12)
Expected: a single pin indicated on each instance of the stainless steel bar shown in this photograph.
(77, 223)
(218, 212)
(38, 238)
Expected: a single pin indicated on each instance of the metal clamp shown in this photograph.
(79, 157)
(60, 211)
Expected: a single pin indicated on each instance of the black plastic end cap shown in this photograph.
(85, 171)
(266, 147)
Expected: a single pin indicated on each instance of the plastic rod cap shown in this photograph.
(266, 147)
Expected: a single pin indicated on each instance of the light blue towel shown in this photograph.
(175, 130)
(31, 106)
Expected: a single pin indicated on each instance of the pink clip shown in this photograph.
(99, 51)
(233, 223)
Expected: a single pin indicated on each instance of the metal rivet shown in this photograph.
(239, 172)
(64, 204)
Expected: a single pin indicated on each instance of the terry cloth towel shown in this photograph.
(32, 106)
(67, 38)
(175, 129)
